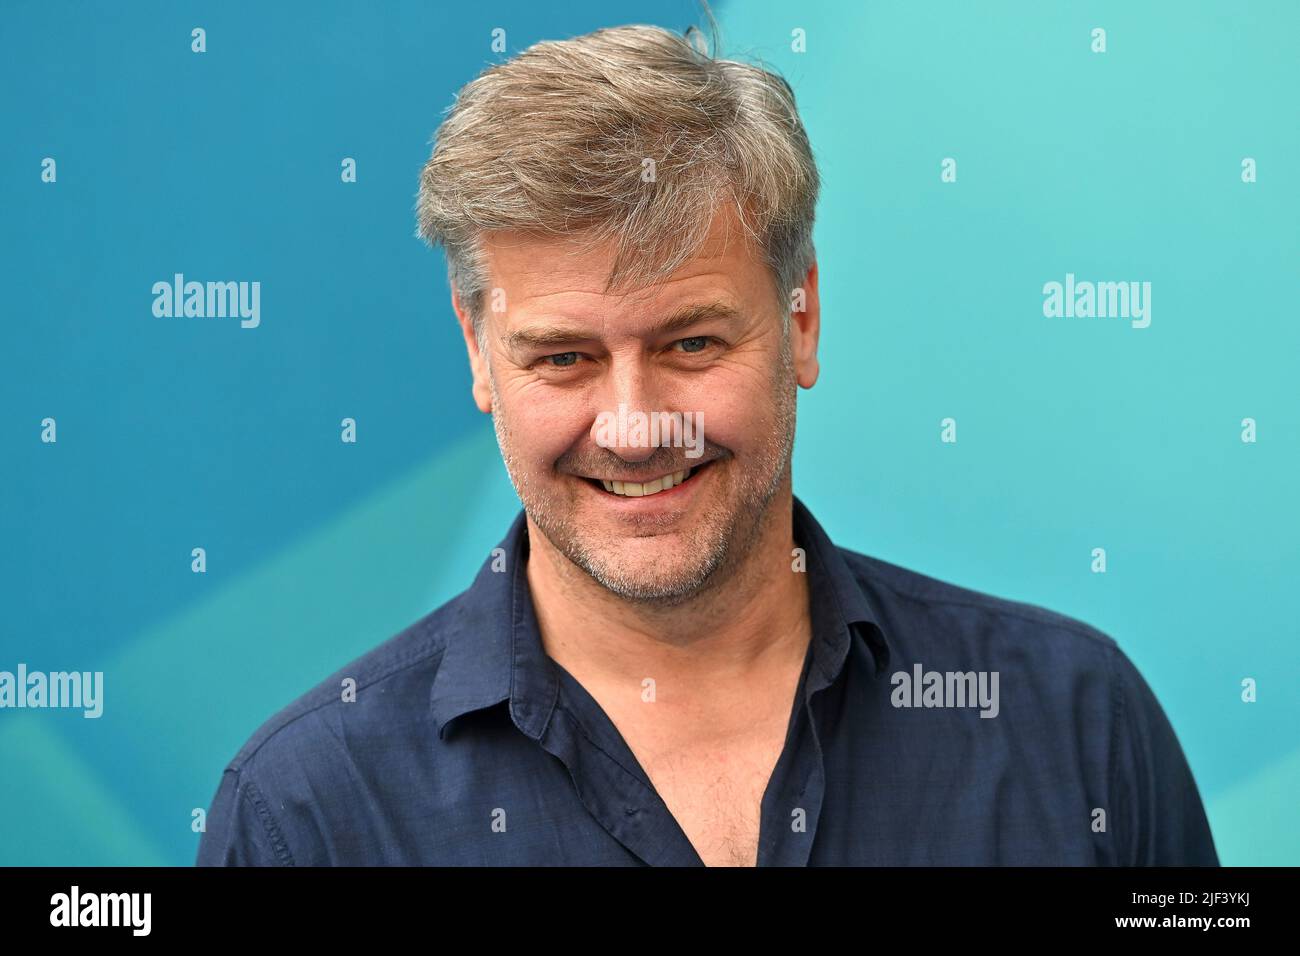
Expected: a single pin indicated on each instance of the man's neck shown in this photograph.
(754, 621)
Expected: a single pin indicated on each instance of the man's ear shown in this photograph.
(477, 361)
(805, 329)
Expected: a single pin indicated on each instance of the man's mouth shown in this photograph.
(644, 489)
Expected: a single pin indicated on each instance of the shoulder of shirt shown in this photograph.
(419, 646)
(887, 583)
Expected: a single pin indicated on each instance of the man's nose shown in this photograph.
(630, 394)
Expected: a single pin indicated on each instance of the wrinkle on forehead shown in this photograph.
(556, 278)
(559, 264)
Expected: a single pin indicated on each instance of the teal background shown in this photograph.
(1072, 433)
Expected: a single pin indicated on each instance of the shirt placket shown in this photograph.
(609, 782)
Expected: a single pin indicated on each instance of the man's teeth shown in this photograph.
(639, 489)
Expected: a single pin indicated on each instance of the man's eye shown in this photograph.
(562, 359)
(696, 343)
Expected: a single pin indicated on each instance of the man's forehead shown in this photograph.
(547, 271)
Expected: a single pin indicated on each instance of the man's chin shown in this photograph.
(665, 548)
(664, 568)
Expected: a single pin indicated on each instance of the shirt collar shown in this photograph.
(840, 607)
(494, 653)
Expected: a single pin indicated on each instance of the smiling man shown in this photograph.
(668, 661)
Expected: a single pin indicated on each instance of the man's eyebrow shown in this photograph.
(546, 336)
(540, 337)
(689, 315)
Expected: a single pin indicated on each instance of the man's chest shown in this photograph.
(715, 791)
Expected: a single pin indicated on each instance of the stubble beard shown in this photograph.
(708, 553)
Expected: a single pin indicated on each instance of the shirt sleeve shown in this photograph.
(1156, 808)
(240, 830)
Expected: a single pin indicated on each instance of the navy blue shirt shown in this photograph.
(467, 745)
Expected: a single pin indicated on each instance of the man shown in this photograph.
(667, 661)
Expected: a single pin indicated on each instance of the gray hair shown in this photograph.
(555, 141)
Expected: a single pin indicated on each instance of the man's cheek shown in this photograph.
(543, 453)
(726, 423)
(546, 429)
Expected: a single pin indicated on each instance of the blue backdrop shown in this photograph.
(1073, 433)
